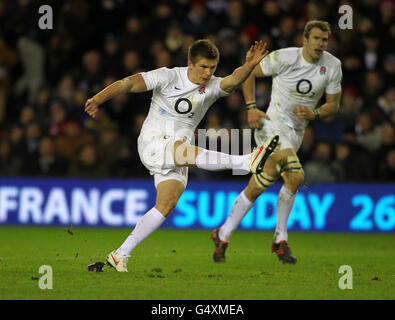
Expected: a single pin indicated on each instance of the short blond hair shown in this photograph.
(320, 24)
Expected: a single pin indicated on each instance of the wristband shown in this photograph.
(251, 105)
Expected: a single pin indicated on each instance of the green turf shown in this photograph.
(176, 265)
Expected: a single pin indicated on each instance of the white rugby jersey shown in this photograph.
(297, 82)
(178, 102)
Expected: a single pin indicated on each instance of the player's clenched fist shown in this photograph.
(91, 107)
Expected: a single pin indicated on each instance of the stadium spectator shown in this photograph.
(91, 75)
(368, 134)
(31, 141)
(391, 119)
(162, 16)
(235, 19)
(135, 36)
(199, 22)
(342, 165)
(387, 169)
(47, 163)
(131, 62)
(10, 163)
(32, 56)
(43, 102)
(61, 55)
(27, 115)
(272, 15)
(352, 69)
(16, 137)
(385, 105)
(387, 144)
(65, 89)
(318, 169)
(384, 24)
(174, 38)
(71, 140)
(112, 56)
(87, 164)
(351, 106)
(109, 145)
(227, 44)
(163, 59)
(361, 168)
(123, 167)
(286, 33)
(73, 27)
(218, 8)
(371, 56)
(389, 68)
(182, 54)
(253, 12)
(57, 118)
(8, 60)
(372, 88)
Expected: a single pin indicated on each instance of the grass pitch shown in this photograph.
(177, 265)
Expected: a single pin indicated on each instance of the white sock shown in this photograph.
(239, 209)
(285, 202)
(215, 161)
(151, 221)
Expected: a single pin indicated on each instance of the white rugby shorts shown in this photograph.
(155, 150)
(289, 137)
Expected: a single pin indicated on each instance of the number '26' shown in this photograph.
(383, 213)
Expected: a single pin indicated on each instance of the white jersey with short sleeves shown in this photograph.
(297, 82)
(177, 104)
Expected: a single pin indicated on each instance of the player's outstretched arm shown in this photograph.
(256, 53)
(134, 83)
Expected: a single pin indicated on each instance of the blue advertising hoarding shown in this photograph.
(204, 205)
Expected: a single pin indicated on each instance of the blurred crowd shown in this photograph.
(47, 75)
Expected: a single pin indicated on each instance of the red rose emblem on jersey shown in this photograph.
(322, 70)
(202, 90)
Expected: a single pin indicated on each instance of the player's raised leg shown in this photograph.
(168, 193)
(186, 155)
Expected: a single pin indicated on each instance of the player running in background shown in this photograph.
(181, 97)
(300, 77)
